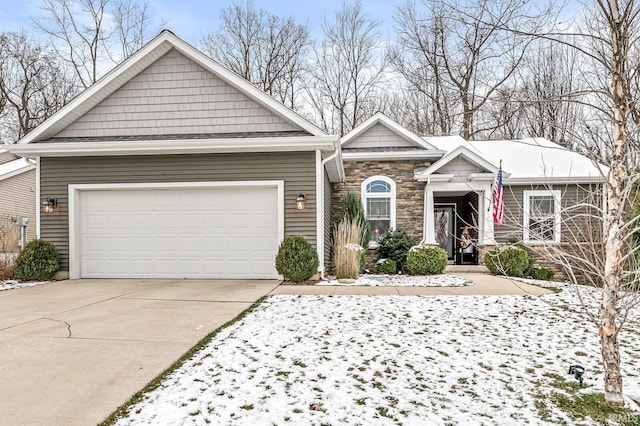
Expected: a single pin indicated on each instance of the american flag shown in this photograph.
(498, 198)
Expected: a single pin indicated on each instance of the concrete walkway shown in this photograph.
(483, 285)
(71, 352)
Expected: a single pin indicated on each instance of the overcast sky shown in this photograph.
(191, 19)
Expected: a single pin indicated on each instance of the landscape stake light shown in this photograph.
(48, 205)
(301, 202)
(577, 371)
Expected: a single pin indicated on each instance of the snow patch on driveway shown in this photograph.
(443, 280)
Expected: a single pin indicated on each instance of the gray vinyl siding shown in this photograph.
(460, 169)
(328, 193)
(175, 95)
(17, 199)
(297, 169)
(379, 136)
(573, 224)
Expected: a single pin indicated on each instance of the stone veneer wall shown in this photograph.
(409, 193)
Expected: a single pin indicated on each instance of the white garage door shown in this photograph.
(201, 232)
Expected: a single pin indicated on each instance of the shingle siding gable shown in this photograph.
(176, 96)
(379, 136)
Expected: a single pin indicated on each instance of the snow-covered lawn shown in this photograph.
(413, 360)
(443, 280)
(11, 284)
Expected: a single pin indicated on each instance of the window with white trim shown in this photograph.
(379, 201)
(542, 216)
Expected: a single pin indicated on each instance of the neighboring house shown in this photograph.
(17, 202)
(171, 166)
(434, 187)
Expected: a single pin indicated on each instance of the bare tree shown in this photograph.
(33, 84)
(265, 49)
(348, 69)
(462, 49)
(87, 33)
(416, 56)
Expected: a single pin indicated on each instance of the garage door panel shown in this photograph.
(209, 232)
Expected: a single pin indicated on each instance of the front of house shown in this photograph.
(171, 166)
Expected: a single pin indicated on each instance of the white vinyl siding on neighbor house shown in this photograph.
(379, 201)
(542, 216)
(207, 230)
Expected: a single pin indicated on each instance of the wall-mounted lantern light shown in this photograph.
(301, 202)
(48, 205)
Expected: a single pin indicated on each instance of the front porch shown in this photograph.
(459, 220)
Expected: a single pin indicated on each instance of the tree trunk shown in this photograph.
(614, 263)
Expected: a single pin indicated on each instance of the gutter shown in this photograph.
(319, 197)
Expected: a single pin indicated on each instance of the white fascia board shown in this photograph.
(484, 176)
(567, 180)
(157, 147)
(434, 178)
(392, 156)
(17, 172)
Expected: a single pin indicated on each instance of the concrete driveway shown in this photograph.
(73, 351)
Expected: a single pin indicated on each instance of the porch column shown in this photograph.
(486, 217)
(429, 220)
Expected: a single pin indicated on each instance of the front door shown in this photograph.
(445, 225)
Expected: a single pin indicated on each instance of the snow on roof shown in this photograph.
(15, 167)
(528, 159)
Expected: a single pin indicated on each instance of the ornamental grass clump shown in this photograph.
(296, 261)
(426, 259)
(347, 250)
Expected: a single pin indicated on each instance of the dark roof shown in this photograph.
(191, 136)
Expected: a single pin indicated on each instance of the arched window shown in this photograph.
(379, 201)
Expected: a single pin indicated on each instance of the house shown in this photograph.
(17, 202)
(171, 166)
(436, 187)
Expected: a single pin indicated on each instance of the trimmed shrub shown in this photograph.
(426, 259)
(386, 266)
(37, 261)
(541, 273)
(507, 260)
(395, 245)
(296, 259)
(347, 252)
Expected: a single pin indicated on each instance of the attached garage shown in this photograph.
(176, 230)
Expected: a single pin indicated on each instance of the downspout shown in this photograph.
(320, 199)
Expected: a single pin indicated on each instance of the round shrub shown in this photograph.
(427, 259)
(395, 245)
(296, 260)
(541, 273)
(386, 266)
(507, 260)
(37, 261)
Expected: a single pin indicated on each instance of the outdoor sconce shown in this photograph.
(577, 371)
(48, 205)
(301, 202)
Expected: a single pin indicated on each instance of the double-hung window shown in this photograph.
(541, 216)
(379, 201)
